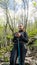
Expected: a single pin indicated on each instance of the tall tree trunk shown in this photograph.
(26, 3)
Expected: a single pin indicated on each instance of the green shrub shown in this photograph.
(6, 59)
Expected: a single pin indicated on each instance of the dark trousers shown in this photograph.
(14, 54)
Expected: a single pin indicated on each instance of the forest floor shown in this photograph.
(31, 58)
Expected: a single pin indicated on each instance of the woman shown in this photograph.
(23, 39)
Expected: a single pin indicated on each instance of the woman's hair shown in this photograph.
(20, 23)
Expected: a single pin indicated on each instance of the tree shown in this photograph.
(26, 6)
(6, 11)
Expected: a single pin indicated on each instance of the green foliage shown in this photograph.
(32, 33)
(6, 49)
(34, 3)
(35, 43)
(9, 36)
(6, 59)
(1, 55)
(1, 29)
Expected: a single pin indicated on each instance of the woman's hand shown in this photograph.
(18, 35)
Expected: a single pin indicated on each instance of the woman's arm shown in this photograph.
(24, 37)
(14, 38)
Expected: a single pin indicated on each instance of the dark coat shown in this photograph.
(23, 39)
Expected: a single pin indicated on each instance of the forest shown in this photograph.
(12, 13)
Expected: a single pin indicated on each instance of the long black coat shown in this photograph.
(23, 39)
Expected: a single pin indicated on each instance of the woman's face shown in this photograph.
(20, 27)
